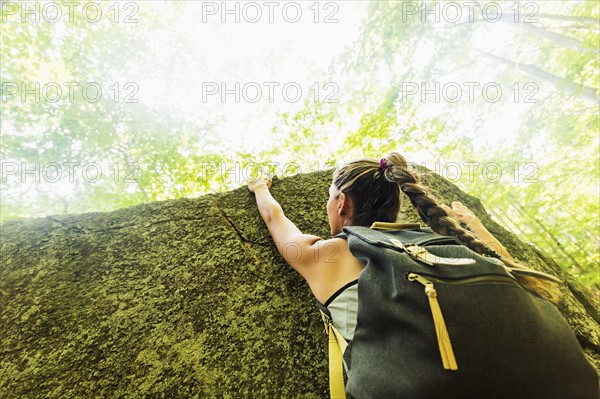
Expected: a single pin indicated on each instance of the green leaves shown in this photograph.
(521, 90)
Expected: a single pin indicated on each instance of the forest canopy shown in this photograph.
(107, 105)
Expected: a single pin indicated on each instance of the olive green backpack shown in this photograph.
(437, 320)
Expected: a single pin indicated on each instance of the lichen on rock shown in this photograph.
(186, 298)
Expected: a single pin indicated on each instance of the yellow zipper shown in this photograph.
(489, 279)
(445, 346)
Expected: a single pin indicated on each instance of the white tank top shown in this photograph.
(343, 306)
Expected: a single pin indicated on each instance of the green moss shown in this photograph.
(185, 298)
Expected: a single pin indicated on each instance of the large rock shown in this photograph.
(186, 298)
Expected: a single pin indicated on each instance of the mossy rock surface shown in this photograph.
(187, 298)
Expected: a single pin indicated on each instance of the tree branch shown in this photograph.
(584, 92)
(570, 18)
(554, 37)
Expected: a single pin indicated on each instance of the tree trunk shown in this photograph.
(556, 38)
(593, 22)
(583, 92)
(186, 298)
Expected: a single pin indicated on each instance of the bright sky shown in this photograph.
(207, 58)
(209, 49)
(271, 66)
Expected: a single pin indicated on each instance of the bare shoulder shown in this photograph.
(330, 250)
(335, 266)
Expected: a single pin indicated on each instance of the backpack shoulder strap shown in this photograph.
(341, 235)
(337, 346)
(395, 226)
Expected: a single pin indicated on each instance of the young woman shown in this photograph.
(363, 192)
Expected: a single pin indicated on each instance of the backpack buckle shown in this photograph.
(422, 255)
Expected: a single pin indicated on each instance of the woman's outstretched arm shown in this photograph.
(295, 247)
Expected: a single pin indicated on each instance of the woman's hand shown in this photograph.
(462, 214)
(253, 184)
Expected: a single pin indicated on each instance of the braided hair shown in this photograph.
(374, 188)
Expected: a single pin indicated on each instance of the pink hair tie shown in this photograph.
(383, 164)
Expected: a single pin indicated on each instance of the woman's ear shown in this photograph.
(344, 205)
